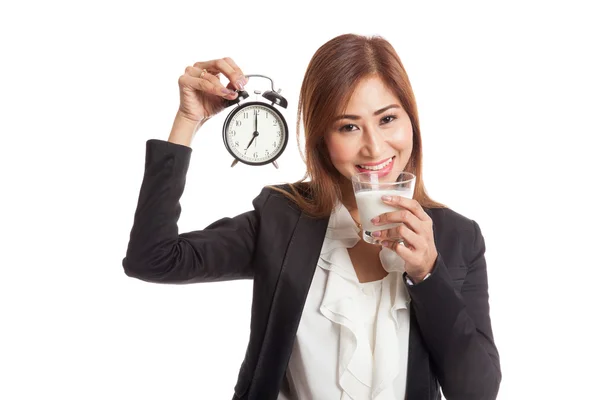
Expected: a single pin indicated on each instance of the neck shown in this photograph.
(349, 201)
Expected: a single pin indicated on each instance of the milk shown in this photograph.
(370, 205)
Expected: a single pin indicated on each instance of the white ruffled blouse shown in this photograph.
(352, 341)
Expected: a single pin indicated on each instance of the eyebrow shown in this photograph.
(355, 117)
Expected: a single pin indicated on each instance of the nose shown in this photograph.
(373, 143)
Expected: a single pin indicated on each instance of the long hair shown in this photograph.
(331, 76)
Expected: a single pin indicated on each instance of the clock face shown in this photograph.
(255, 133)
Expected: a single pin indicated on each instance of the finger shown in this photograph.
(224, 92)
(405, 216)
(205, 84)
(238, 79)
(228, 67)
(406, 253)
(409, 204)
(217, 87)
(411, 239)
(196, 72)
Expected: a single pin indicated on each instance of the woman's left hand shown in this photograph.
(419, 251)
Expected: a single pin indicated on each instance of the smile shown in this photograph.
(376, 167)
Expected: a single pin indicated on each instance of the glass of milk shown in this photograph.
(368, 191)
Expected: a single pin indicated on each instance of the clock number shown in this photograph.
(236, 144)
(232, 132)
(274, 144)
(267, 152)
(246, 115)
(255, 155)
(238, 123)
(278, 133)
(274, 123)
(256, 111)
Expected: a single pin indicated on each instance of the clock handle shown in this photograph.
(272, 95)
(263, 76)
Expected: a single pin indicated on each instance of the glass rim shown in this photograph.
(359, 174)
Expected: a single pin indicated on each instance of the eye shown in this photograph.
(346, 128)
(385, 120)
(393, 117)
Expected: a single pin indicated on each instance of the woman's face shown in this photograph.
(374, 134)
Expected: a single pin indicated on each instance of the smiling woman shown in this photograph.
(379, 143)
(333, 317)
(358, 111)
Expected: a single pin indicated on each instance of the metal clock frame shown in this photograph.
(275, 98)
(240, 108)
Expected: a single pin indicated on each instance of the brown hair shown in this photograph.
(332, 74)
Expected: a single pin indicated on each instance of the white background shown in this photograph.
(508, 101)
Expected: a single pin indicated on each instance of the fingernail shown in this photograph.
(386, 198)
(375, 220)
(385, 243)
(240, 84)
(227, 91)
(376, 233)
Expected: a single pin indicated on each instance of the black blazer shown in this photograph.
(450, 343)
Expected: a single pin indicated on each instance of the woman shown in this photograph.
(332, 315)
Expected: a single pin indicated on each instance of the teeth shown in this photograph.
(376, 167)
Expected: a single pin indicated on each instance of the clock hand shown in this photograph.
(254, 135)
(256, 127)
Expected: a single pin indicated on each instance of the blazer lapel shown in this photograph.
(290, 294)
(288, 302)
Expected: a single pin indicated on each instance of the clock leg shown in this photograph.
(275, 164)
(233, 163)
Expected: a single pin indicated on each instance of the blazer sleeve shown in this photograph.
(158, 253)
(456, 327)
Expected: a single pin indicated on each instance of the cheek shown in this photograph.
(402, 139)
(339, 151)
(404, 143)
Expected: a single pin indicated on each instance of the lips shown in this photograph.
(376, 165)
(380, 168)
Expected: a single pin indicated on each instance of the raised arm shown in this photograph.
(158, 253)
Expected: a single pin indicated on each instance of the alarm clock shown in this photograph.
(255, 132)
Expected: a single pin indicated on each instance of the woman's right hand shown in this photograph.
(200, 98)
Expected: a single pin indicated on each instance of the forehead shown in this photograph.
(370, 94)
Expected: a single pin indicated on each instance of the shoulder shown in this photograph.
(302, 188)
(453, 227)
(282, 195)
(448, 219)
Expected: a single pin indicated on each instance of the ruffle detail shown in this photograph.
(363, 373)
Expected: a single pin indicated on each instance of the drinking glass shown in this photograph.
(368, 191)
